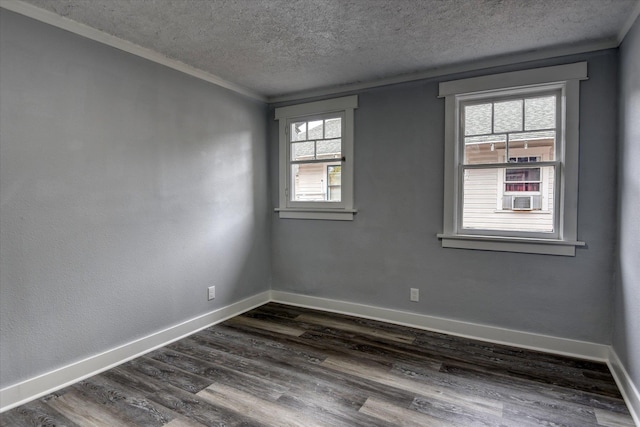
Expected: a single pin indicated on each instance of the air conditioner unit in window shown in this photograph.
(522, 203)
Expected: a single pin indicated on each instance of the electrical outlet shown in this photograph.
(415, 294)
(212, 292)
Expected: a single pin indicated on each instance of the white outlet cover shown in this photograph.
(212, 292)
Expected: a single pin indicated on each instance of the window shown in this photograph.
(316, 159)
(511, 165)
(334, 182)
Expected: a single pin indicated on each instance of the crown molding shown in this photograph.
(448, 70)
(83, 30)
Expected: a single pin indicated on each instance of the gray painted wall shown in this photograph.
(626, 338)
(126, 189)
(391, 246)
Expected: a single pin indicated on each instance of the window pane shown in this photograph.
(334, 177)
(333, 128)
(316, 129)
(477, 119)
(484, 149)
(540, 113)
(312, 182)
(298, 131)
(302, 150)
(507, 116)
(335, 174)
(524, 202)
(329, 149)
(308, 183)
(527, 144)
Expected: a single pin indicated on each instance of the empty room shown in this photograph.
(319, 213)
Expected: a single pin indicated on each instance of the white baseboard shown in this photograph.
(528, 340)
(625, 384)
(545, 343)
(31, 389)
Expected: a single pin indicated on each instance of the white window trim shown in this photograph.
(320, 210)
(566, 241)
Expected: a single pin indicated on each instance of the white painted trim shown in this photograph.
(521, 339)
(83, 30)
(631, 19)
(511, 244)
(321, 210)
(528, 340)
(317, 107)
(628, 389)
(564, 77)
(515, 79)
(448, 70)
(324, 214)
(39, 386)
(33, 388)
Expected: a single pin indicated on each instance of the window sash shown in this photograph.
(461, 101)
(290, 189)
(557, 186)
(566, 78)
(498, 96)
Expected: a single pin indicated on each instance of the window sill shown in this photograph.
(510, 244)
(323, 214)
(511, 211)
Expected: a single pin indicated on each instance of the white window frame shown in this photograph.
(564, 240)
(327, 210)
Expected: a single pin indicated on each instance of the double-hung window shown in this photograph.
(316, 159)
(511, 161)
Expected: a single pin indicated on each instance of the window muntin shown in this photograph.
(511, 155)
(563, 79)
(508, 125)
(316, 159)
(314, 145)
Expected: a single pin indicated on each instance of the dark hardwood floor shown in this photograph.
(279, 365)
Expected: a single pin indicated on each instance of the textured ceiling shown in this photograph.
(278, 47)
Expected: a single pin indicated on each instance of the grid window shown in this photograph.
(316, 159)
(512, 161)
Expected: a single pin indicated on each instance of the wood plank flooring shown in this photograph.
(280, 365)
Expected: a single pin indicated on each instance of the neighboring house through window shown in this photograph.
(316, 159)
(512, 161)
